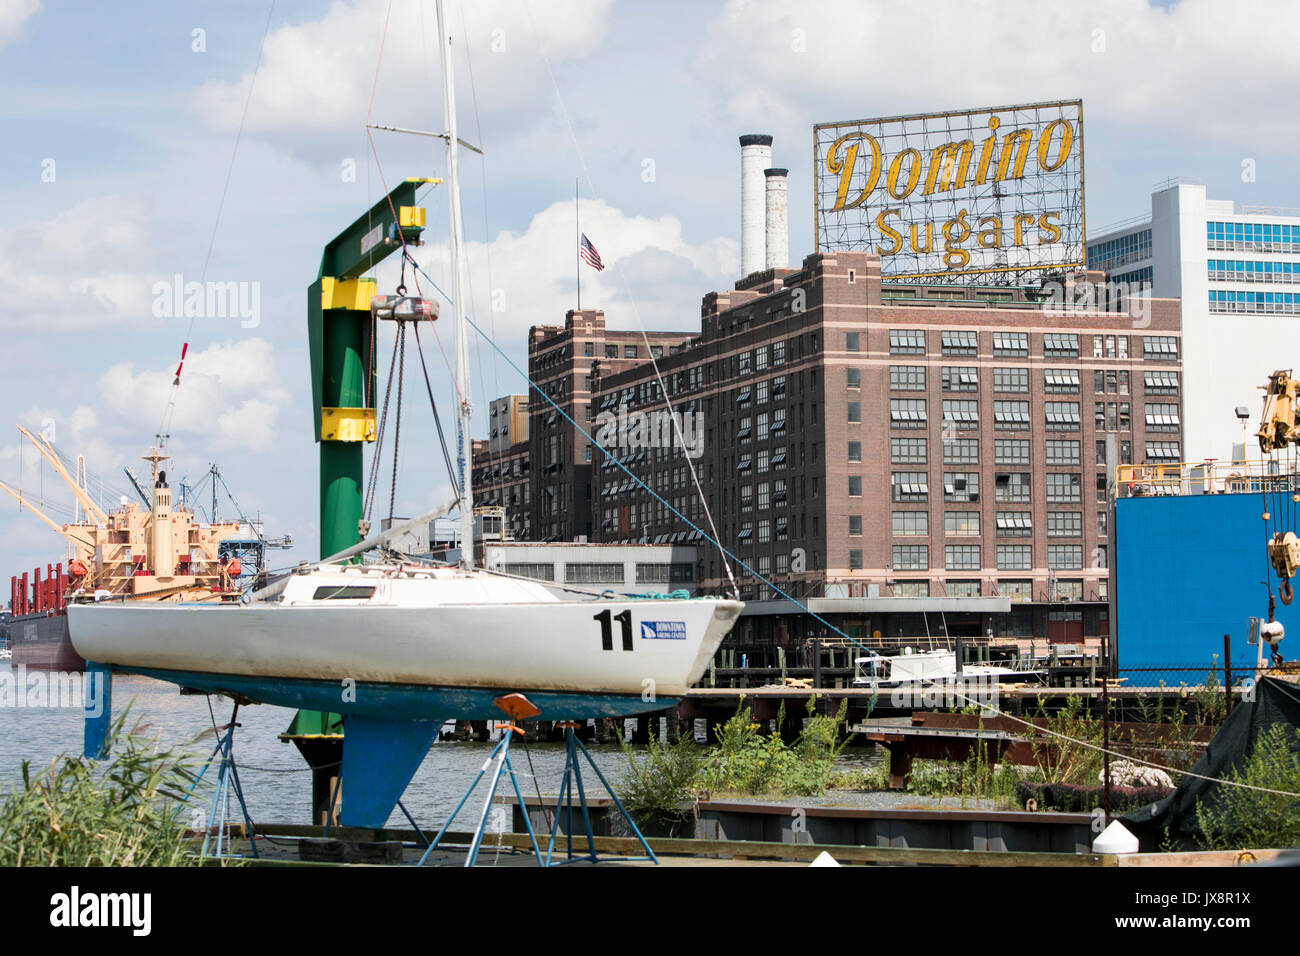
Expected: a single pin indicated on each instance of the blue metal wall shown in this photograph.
(1189, 569)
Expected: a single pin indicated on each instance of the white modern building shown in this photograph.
(1237, 271)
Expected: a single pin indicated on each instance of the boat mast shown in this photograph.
(464, 443)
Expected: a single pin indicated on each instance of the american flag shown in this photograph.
(590, 255)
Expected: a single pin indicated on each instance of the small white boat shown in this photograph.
(909, 670)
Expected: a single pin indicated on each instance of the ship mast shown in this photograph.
(464, 443)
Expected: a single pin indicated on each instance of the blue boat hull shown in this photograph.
(406, 701)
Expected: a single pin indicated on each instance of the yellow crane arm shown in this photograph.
(48, 452)
(1280, 423)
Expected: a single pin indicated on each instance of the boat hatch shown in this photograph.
(343, 593)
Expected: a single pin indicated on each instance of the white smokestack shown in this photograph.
(755, 156)
(777, 232)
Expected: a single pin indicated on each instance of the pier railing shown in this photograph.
(1209, 477)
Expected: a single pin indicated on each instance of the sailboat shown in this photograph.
(399, 647)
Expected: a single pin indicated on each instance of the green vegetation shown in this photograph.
(663, 779)
(122, 811)
(1235, 818)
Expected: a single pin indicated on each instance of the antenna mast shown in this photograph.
(464, 442)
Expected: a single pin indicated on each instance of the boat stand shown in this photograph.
(501, 756)
(573, 780)
(227, 778)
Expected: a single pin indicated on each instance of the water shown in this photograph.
(276, 783)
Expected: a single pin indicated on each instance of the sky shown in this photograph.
(226, 141)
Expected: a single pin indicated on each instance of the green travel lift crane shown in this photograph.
(340, 337)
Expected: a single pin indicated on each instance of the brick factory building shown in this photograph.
(864, 442)
(567, 364)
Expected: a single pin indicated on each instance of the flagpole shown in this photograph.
(577, 243)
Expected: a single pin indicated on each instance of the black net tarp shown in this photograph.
(1174, 817)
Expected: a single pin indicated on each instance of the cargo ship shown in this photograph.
(148, 551)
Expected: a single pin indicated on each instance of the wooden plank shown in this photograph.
(751, 849)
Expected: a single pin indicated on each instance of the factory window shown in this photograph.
(1060, 345)
(1160, 383)
(961, 557)
(963, 524)
(1015, 524)
(907, 341)
(1163, 451)
(1062, 487)
(1011, 343)
(1062, 416)
(910, 486)
(577, 573)
(911, 557)
(1064, 380)
(964, 413)
(778, 353)
(679, 572)
(851, 342)
(742, 363)
(902, 378)
(1011, 451)
(1064, 524)
(911, 522)
(760, 358)
(760, 427)
(1013, 415)
(962, 588)
(1065, 557)
(961, 451)
(539, 572)
(760, 392)
(1162, 418)
(960, 343)
(960, 378)
(1011, 380)
(1016, 590)
(1159, 347)
(907, 412)
(1015, 557)
(912, 589)
(961, 486)
(1062, 452)
(1012, 487)
(906, 451)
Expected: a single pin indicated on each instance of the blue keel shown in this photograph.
(379, 759)
(98, 699)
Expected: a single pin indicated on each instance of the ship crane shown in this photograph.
(1279, 428)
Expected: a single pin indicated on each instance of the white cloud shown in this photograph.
(87, 264)
(1188, 68)
(532, 274)
(313, 91)
(14, 15)
(230, 395)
